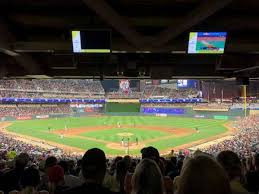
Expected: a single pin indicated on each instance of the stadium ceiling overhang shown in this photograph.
(146, 44)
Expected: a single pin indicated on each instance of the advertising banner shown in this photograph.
(86, 105)
(157, 110)
(42, 116)
(24, 118)
(199, 116)
(221, 117)
(161, 115)
(89, 110)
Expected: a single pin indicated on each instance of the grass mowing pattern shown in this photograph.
(39, 129)
(111, 134)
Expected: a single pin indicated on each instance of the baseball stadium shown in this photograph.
(123, 116)
(129, 97)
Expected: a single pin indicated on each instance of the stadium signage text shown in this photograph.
(168, 111)
(161, 115)
(86, 105)
(221, 117)
(199, 116)
(42, 116)
(50, 100)
(24, 118)
(172, 100)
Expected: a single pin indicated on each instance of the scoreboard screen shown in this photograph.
(91, 41)
(207, 42)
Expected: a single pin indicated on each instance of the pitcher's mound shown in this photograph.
(118, 146)
(124, 134)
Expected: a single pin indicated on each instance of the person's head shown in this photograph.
(94, 165)
(21, 161)
(202, 175)
(150, 153)
(127, 160)
(56, 175)
(231, 163)
(147, 178)
(50, 161)
(30, 178)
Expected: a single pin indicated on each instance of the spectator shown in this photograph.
(203, 175)
(115, 182)
(252, 176)
(153, 154)
(12, 178)
(30, 181)
(147, 178)
(232, 165)
(56, 179)
(70, 180)
(93, 169)
(50, 162)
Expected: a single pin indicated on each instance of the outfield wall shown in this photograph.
(118, 107)
(134, 108)
(189, 112)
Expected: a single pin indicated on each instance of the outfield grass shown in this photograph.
(39, 129)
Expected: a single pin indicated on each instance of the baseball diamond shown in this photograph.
(82, 133)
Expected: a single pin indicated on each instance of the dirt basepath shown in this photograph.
(173, 132)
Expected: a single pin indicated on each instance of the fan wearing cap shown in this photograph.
(93, 170)
(153, 154)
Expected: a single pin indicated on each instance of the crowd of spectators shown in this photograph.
(151, 91)
(123, 95)
(20, 94)
(33, 109)
(61, 88)
(154, 92)
(246, 136)
(76, 88)
(200, 172)
(212, 105)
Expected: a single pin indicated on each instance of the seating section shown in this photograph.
(16, 110)
(51, 88)
(151, 91)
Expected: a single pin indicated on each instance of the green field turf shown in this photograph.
(39, 129)
(110, 135)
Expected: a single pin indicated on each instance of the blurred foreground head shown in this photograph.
(147, 178)
(150, 153)
(94, 165)
(203, 175)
